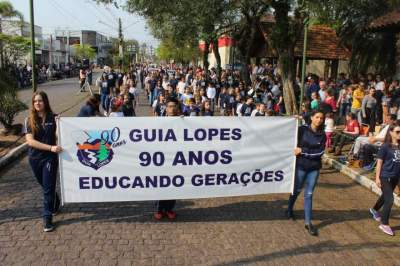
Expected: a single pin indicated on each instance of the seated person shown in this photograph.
(348, 135)
(377, 140)
(368, 150)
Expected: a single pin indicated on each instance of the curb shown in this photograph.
(359, 178)
(12, 155)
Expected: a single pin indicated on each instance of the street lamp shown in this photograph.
(33, 48)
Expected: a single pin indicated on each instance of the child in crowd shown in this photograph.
(315, 101)
(329, 128)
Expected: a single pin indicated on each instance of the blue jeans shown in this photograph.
(309, 179)
(103, 99)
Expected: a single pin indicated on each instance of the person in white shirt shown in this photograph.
(329, 128)
(374, 140)
(165, 83)
(181, 86)
(380, 85)
(211, 93)
(255, 111)
(239, 105)
(322, 91)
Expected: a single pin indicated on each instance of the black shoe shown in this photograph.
(289, 215)
(311, 229)
(57, 203)
(48, 224)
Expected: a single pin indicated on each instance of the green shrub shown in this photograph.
(10, 106)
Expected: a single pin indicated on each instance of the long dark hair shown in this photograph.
(388, 137)
(33, 119)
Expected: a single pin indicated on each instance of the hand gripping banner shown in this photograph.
(156, 158)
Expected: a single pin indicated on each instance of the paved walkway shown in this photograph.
(219, 231)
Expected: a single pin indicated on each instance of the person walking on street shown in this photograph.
(311, 146)
(82, 79)
(40, 129)
(387, 176)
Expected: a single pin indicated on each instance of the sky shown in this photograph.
(85, 15)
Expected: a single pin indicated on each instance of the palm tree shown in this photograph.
(7, 11)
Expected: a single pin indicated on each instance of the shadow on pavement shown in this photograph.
(325, 246)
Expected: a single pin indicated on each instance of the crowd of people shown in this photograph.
(23, 73)
(361, 111)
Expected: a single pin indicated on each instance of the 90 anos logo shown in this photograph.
(97, 150)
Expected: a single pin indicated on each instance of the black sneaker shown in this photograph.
(311, 229)
(48, 224)
(57, 203)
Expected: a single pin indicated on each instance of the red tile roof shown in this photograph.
(323, 43)
(388, 20)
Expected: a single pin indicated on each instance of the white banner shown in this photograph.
(155, 158)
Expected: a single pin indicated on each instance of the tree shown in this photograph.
(10, 105)
(84, 51)
(7, 11)
(14, 48)
(184, 22)
(168, 51)
(246, 21)
(351, 19)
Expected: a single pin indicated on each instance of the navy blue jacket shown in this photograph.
(312, 146)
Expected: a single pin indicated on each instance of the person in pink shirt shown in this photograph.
(330, 100)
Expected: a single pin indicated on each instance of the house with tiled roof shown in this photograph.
(325, 55)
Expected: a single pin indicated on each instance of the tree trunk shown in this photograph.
(247, 55)
(286, 69)
(206, 64)
(217, 58)
(1, 47)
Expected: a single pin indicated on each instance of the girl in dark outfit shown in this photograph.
(387, 176)
(310, 148)
(41, 137)
(166, 207)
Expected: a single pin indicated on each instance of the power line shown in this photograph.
(98, 9)
(70, 14)
(112, 14)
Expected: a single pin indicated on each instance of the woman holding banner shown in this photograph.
(41, 137)
(166, 207)
(310, 148)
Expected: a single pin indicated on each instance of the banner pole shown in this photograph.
(295, 159)
(60, 162)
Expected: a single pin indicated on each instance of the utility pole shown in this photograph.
(121, 44)
(33, 48)
(51, 53)
(303, 67)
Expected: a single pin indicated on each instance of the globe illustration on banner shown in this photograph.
(96, 151)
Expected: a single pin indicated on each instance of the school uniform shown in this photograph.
(389, 176)
(44, 164)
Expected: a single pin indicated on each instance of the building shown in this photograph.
(225, 48)
(99, 42)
